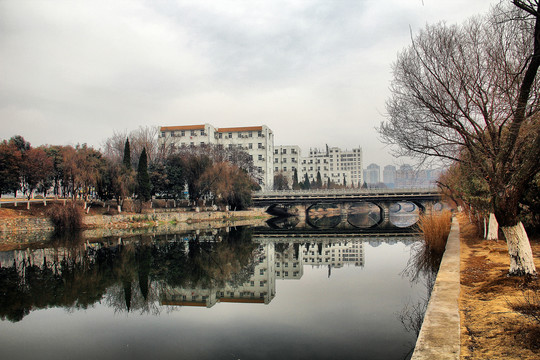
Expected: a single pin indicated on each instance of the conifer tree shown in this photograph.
(295, 184)
(307, 184)
(127, 155)
(319, 180)
(143, 178)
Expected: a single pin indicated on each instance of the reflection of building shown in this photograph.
(334, 254)
(260, 288)
(289, 263)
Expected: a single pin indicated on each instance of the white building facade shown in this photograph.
(341, 167)
(257, 141)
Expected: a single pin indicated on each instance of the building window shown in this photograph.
(250, 146)
(239, 135)
(163, 134)
(284, 151)
(259, 145)
(284, 161)
(182, 133)
(230, 135)
(284, 168)
(192, 132)
(202, 132)
(251, 134)
(260, 157)
(259, 133)
(276, 160)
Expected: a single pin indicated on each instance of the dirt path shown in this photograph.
(490, 327)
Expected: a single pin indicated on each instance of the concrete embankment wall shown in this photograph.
(439, 336)
(31, 229)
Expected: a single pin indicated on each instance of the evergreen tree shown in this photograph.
(319, 180)
(143, 178)
(127, 155)
(295, 184)
(307, 184)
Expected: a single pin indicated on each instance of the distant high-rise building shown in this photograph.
(372, 174)
(389, 176)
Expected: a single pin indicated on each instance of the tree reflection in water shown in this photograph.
(127, 273)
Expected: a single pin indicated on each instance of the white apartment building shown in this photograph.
(342, 167)
(257, 141)
(287, 158)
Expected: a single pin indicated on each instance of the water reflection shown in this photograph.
(318, 290)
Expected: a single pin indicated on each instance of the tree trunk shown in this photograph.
(519, 249)
(493, 228)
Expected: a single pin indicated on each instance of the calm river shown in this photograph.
(235, 293)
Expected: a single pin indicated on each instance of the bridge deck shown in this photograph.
(297, 196)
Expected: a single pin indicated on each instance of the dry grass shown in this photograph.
(66, 217)
(498, 312)
(435, 229)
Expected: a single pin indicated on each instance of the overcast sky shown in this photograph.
(316, 71)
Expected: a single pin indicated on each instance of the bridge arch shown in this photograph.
(365, 214)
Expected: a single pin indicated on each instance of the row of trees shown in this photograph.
(468, 94)
(208, 172)
(281, 182)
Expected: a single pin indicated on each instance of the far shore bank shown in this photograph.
(17, 228)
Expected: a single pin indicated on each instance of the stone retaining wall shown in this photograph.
(439, 336)
(33, 229)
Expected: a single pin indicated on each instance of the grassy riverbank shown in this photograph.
(493, 306)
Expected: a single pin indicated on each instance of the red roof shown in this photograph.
(239, 129)
(183, 127)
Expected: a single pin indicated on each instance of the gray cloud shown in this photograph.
(316, 72)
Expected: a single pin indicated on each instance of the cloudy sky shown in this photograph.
(315, 71)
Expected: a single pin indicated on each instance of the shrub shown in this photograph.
(435, 229)
(66, 217)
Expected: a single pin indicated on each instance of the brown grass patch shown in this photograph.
(435, 229)
(491, 326)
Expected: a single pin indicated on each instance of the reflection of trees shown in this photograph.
(129, 276)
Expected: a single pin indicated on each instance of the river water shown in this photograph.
(236, 293)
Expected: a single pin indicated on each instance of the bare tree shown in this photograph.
(473, 88)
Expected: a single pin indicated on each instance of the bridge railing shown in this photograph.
(312, 192)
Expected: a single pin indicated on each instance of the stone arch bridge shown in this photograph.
(357, 208)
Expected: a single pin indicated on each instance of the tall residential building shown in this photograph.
(389, 176)
(372, 174)
(257, 141)
(287, 159)
(342, 167)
